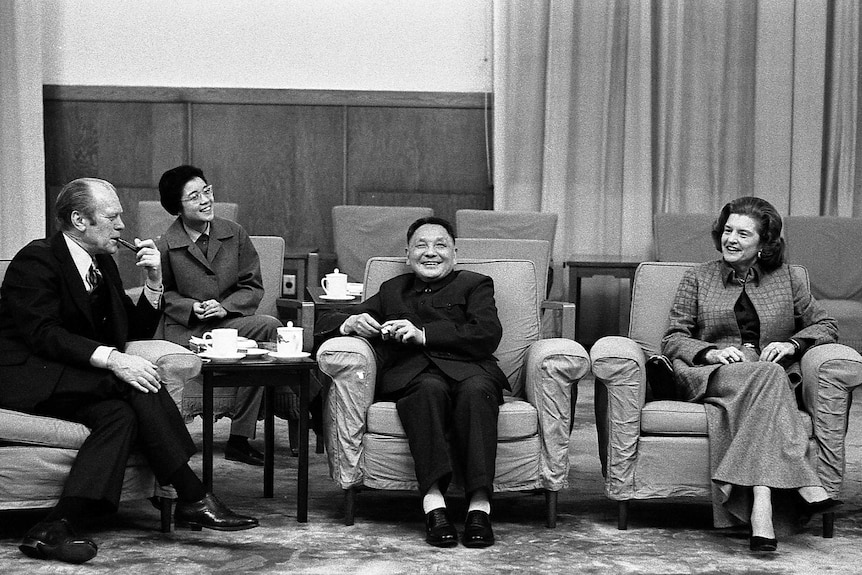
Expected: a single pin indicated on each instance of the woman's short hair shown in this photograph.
(172, 183)
(768, 220)
(433, 220)
(77, 196)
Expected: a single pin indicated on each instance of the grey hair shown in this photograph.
(77, 196)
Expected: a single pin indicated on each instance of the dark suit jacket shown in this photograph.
(459, 316)
(231, 275)
(46, 321)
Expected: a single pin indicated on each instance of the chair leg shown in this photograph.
(623, 517)
(829, 525)
(551, 505)
(318, 444)
(165, 508)
(349, 505)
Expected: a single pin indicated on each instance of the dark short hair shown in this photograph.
(433, 220)
(769, 228)
(172, 183)
(77, 196)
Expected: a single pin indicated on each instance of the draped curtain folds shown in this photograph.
(607, 112)
(22, 160)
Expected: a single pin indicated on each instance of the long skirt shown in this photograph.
(756, 437)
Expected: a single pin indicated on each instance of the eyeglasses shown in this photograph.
(195, 197)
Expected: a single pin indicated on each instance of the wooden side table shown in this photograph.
(268, 374)
(589, 265)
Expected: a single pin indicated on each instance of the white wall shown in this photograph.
(405, 45)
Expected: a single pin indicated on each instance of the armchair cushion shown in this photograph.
(517, 419)
(673, 418)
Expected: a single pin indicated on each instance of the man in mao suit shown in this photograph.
(436, 330)
(64, 323)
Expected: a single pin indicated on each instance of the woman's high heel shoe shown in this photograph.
(760, 544)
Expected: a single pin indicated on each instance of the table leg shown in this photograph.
(269, 441)
(576, 299)
(208, 432)
(302, 479)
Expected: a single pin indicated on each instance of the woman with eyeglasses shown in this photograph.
(212, 279)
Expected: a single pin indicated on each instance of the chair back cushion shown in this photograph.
(829, 248)
(516, 225)
(153, 220)
(517, 295)
(537, 251)
(683, 237)
(655, 286)
(362, 232)
(270, 250)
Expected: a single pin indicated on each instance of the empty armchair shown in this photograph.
(513, 225)
(362, 232)
(659, 449)
(366, 444)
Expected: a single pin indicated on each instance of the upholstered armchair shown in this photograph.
(659, 449)
(366, 444)
(36, 452)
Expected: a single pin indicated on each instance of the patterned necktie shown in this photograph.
(94, 277)
(203, 243)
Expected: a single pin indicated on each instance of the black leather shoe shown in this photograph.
(246, 454)
(761, 544)
(211, 513)
(439, 531)
(477, 530)
(57, 540)
(807, 510)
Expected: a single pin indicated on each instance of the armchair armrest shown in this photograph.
(830, 372)
(177, 366)
(352, 366)
(554, 368)
(565, 312)
(618, 364)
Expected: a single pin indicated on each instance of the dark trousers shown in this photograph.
(441, 415)
(120, 419)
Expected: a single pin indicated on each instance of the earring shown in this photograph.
(759, 252)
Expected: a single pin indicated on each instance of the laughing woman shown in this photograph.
(212, 279)
(738, 327)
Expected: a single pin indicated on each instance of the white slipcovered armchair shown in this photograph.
(365, 441)
(659, 449)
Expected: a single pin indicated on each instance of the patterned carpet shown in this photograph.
(663, 537)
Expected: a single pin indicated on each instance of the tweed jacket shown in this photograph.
(231, 275)
(702, 317)
(46, 320)
(458, 314)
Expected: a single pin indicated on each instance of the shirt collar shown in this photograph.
(728, 275)
(194, 234)
(420, 285)
(83, 260)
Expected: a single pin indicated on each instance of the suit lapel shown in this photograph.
(177, 239)
(71, 277)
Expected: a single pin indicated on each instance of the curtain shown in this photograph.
(607, 112)
(22, 161)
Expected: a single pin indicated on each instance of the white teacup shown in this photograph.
(289, 340)
(223, 341)
(334, 284)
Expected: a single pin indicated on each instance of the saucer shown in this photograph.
(219, 358)
(328, 297)
(288, 356)
(241, 342)
(255, 351)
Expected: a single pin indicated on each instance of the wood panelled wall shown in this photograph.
(285, 156)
